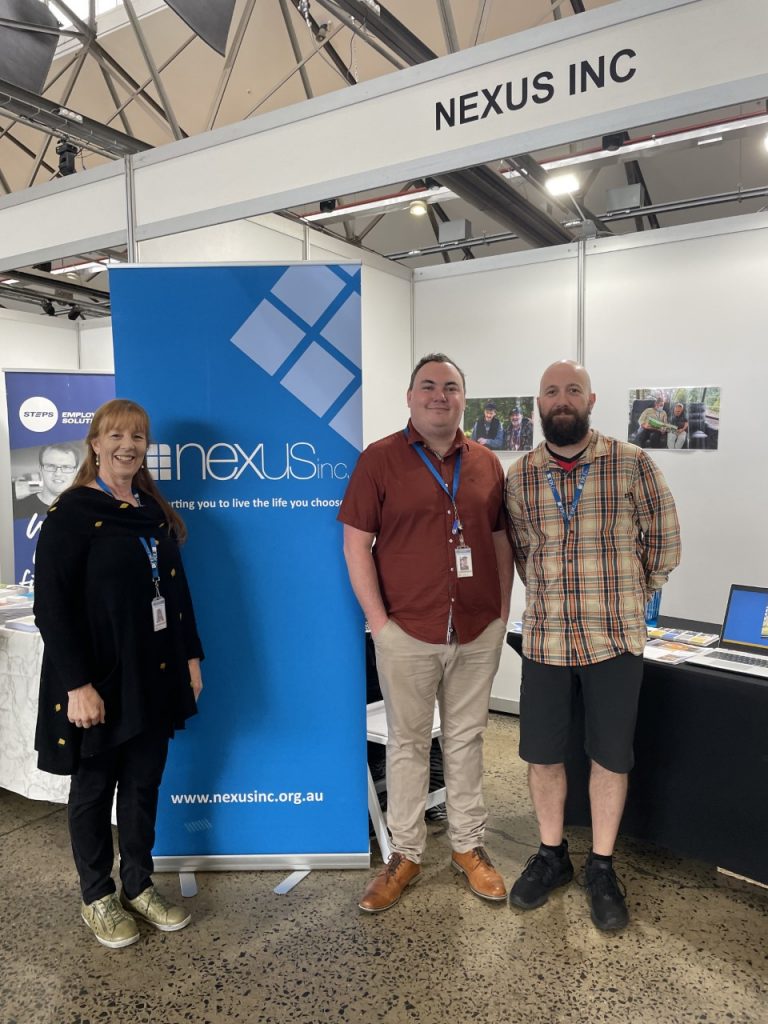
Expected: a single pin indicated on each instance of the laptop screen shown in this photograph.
(746, 620)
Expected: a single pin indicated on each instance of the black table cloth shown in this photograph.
(700, 782)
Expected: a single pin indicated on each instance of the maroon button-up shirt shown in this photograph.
(393, 495)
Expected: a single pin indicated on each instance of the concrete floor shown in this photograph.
(696, 948)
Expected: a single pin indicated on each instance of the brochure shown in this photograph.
(683, 636)
(26, 623)
(669, 651)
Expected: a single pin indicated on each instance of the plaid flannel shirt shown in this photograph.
(587, 586)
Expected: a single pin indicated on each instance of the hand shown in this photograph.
(85, 707)
(375, 630)
(195, 678)
(482, 440)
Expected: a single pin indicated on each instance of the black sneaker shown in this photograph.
(543, 872)
(605, 892)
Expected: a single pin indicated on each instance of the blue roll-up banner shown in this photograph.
(48, 418)
(251, 376)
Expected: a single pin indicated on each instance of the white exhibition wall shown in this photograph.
(685, 307)
(669, 307)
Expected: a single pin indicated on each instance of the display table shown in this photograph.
(700, 779)
(20, 657)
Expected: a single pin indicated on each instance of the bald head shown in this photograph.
(565, 402)
(566, 370)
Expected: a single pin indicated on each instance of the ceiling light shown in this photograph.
(710, 140)
(48, 307)
(418, 208)
(10, 280)
(765, 141)
(71, 115)
(562, 184)
(399, 201)
(89, 265)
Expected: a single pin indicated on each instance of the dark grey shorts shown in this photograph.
(550, 698)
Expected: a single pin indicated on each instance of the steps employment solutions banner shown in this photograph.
(49, 415)
(251, 377)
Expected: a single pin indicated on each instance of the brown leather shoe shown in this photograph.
(484, 880)
(383, 891)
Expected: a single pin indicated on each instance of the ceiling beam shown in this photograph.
(384, 27)
(229, 63)
(481, 21)
(297, 54)
(448, 25)
(42, 113)
(488, 192)
(149, 60)
(64, 101)
(314, 28)
(103, 57)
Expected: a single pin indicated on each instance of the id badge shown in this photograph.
(159, 619)
(463, 562)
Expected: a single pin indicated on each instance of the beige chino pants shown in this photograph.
(412, 675)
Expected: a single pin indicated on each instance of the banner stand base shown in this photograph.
(290, 862)
(188, 883)
(290, 882)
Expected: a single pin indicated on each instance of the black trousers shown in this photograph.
(135, 770)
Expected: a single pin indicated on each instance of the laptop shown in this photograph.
(743, 643)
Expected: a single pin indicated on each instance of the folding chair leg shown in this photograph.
(377, 817)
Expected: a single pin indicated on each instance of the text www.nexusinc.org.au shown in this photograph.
(253, 796)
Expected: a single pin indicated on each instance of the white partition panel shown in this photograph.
(64, 217)
(504, 320)
(270, 238)
(96, 351)
(687, 307)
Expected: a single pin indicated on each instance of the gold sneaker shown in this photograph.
(109, 922)
(153, 907)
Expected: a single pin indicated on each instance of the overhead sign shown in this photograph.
(611, 69)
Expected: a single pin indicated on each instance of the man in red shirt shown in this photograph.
(435, 589)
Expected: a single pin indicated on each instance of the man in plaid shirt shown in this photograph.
(595, 533)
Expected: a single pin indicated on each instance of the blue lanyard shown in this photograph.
(152, 556)
(568, 516)
(108, 490)
(419, 448)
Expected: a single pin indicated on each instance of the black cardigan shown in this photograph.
(93, 594)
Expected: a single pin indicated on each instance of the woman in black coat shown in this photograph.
(121, 666)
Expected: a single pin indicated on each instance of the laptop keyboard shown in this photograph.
(742, 659)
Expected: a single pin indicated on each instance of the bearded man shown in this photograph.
(595, 533)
